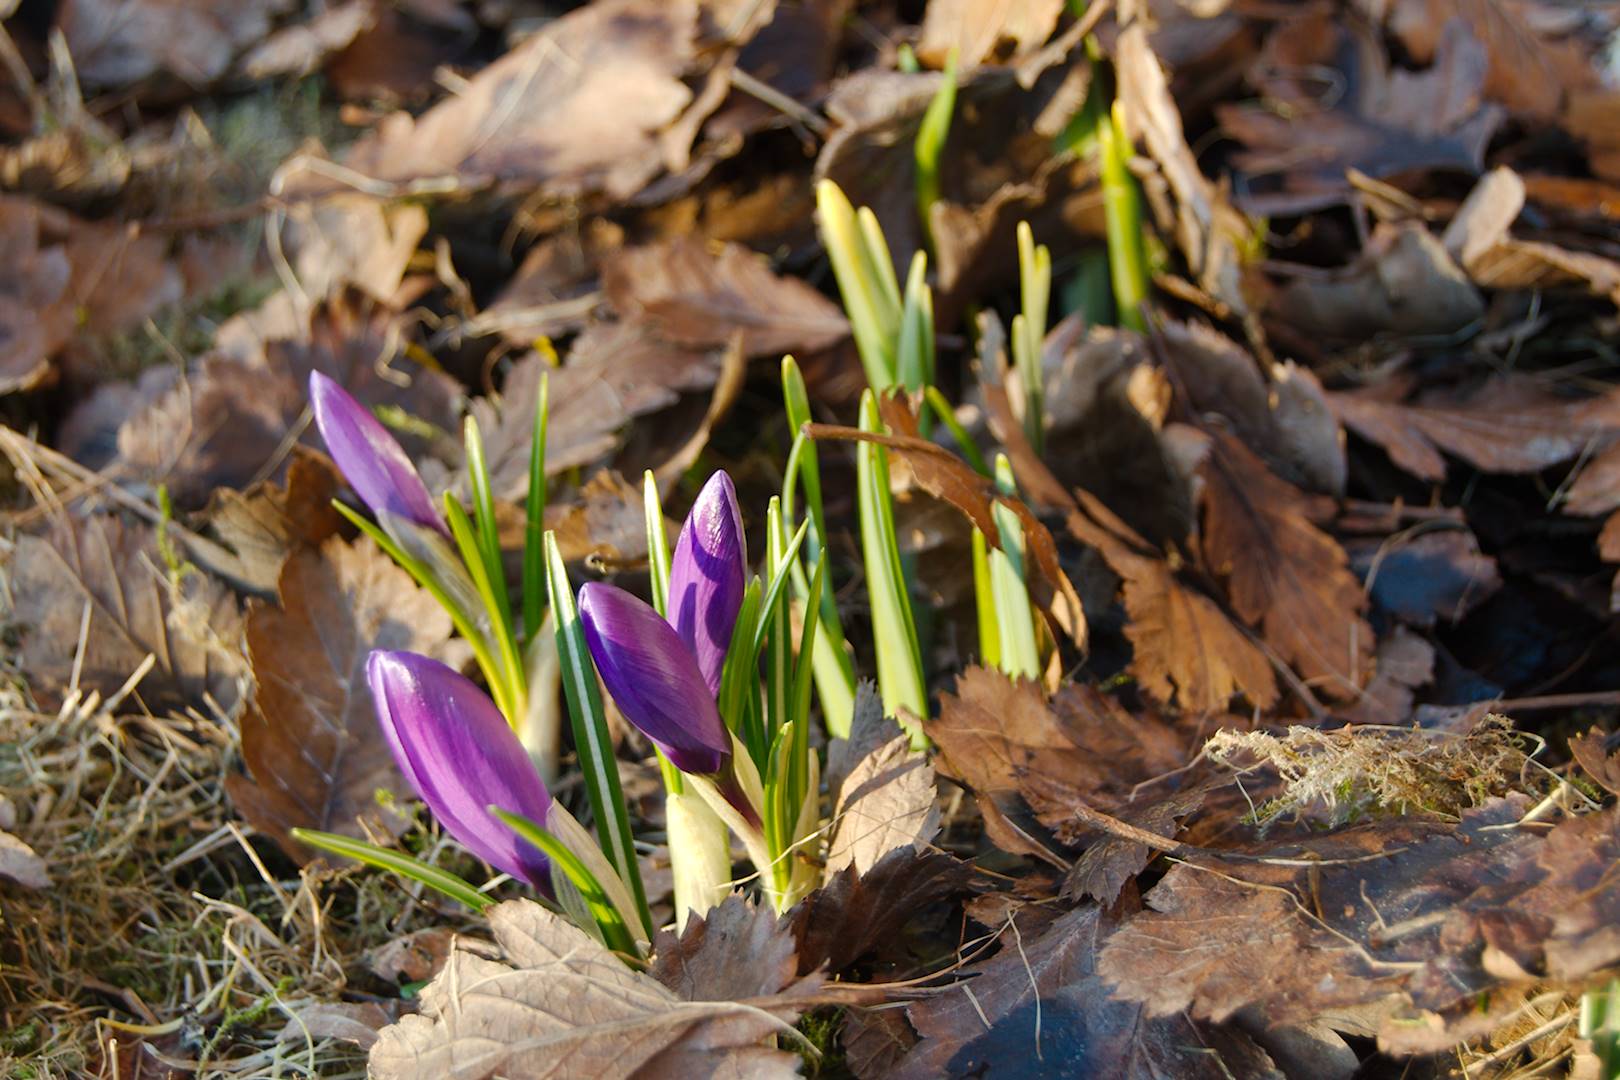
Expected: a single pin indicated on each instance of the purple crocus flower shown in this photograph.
(707, 577)
(654, 678)
(456, 749)
(371, 459)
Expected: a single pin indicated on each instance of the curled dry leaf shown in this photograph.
(560, 1005)
(118, 43)
(1043, 1001)
(1027, 758)
(886, 803)
(1438, 919)
(1187, 650)
(1283, 575)
(699, 299)
(1300, 144)
(1598, 755)
(266, 523)
(856, 915)
(1421, 577)
(95, 600)
(736, 951)
(985, 30)
(20, 863)
(1511, 424)
(575, 109)
(311, 741)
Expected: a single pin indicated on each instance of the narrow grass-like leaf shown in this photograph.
(779, 622)
(510, 691)
(930, 144)
(1122, 216)
(1029, 330)
(739, 677)
(441, 881)
(615, 931)
(894, 632)
(1015, 619)
(534, 550)
(591, 739)
(657, 543)
(964, 442)
(915, 353)
(488, 536)
(984, 601)
(870, 318)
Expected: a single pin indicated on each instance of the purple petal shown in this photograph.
(708, 575)
(456, 749)
(371, 460)
(652, 676)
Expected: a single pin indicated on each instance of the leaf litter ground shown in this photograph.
(1303, 545)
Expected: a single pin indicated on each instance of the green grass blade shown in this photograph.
(914, 355)
(779, 622)
(441, 881)
(984, 601)
(513, 676)
(894, 632)
(488, 536)
(615, 931)
(930, 144)
(534, 549)
(964, 442)
(652, 510)
(1015, 619)
(1122, 216)
(595, 747)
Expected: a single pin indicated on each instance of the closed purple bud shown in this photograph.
(371, 459)
(653, 678)
(708, 575)
(456, 749)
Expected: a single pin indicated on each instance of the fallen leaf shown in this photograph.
(698, 299)
(1403, 284)
(1212, 235)
(102, 581)
(1403, 664)
(311, 741)
(1283, 575)
(1187, 650)
(1109, 862)
(1510, 424)
(1025, 756)
(231, 423)
(874, 1041)
(854, 915)
(352, 1022)
(21, 864)
(1420, 577)
(985, 30)
(118, 43)
(1598, 754)
(1526, 73)
(562, 1005)
(886, 803)
(302, 48)
(576, 108)
(1040, 1008)
(266, 523)
(413, 957)
(554, 289)
(1382, 121)
(1442, 916)
(352, 239)
(738, 950)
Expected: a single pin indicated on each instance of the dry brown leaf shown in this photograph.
(575, 109)
(855, 915)
(1188, 652)
(352, 239)
(232, 423)
(1404, 663)
(117, 43)
(1420, 577)
(1442, 918)
(1526, 73)
(985, 30)
(554, 289)
(1283, 575)
(1026, 758)
(737, 950)
(1598, 754)
(886, 803)
(1043, 999)
(698, 299)
(106, 582)
(264, 524)
(311, 741)
(20, 863)
(1511, 424)
(301, 49)
(1383, 122)
(1403, 283)
(1212, 235)
(561, 1005)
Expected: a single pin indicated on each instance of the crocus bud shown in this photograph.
(371, 459)
(456, 749)
(653, 678)
(708, 575)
